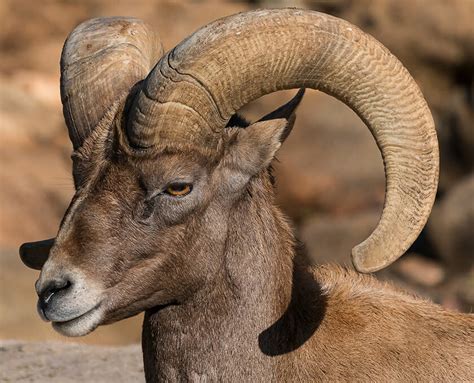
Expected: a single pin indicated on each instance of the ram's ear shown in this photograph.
(288, 112)
(35, 254)
(253, 148)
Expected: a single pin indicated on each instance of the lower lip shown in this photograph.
(78, 318)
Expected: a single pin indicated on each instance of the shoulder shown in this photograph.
(347, 290)
(345, 282)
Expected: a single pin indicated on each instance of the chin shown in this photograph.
(81, 325)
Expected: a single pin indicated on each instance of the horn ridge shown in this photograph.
(242, 57)
(101, 60)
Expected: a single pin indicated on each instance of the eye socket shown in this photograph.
(178, 189)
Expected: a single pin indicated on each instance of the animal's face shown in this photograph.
(145, 230)
(124, 241)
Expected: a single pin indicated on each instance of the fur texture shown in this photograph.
(227, 294)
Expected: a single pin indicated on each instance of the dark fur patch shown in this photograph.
(237, 121)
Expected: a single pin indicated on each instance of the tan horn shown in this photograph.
(196, 87)
(101, 60)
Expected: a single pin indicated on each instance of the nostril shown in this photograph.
(51, 288)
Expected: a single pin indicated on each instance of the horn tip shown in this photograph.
(366, 262)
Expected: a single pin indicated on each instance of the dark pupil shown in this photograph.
(179, 187)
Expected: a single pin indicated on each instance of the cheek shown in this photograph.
(231, 181)
(176, 212)
(109, 259)
(236, 181)
(175, 216)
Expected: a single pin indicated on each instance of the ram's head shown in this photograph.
(158, 163)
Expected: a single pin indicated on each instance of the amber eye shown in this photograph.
(179, 189)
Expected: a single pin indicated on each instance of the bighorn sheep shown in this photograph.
(174, 213)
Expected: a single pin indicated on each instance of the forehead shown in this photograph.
(170, 164)
(125, 166)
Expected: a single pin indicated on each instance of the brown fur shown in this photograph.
(270, 317)
(227, 297)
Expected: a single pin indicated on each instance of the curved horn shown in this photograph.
(197, 86)
(101, 60)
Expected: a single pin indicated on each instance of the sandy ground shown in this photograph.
(67, 363)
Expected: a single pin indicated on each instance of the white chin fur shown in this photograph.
(82, 325)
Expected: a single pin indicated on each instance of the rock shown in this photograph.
(457, 293)
(465, 291)
(34, 153)
(330, 239)
(451, 226)
(419, 270)
(32, 36)
(30, 107)
(68, 363)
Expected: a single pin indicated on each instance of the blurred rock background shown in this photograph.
(329, 173)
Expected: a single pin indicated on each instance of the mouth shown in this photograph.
(82, 324)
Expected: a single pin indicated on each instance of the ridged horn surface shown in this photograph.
(101, 60)
(196, 87)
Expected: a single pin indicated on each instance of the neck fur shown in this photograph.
(247, 309)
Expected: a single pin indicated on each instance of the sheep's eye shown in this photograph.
(179, 189)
